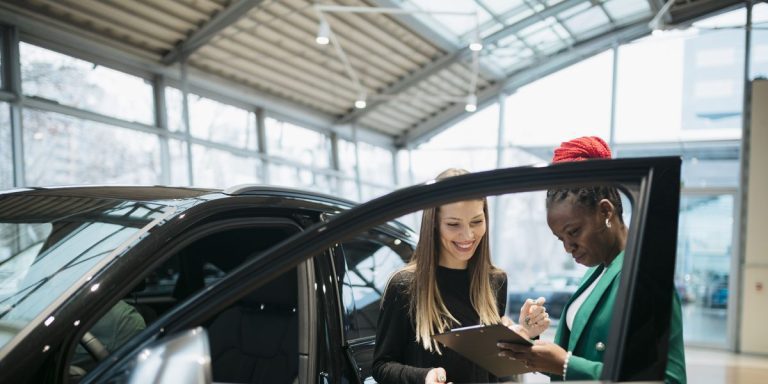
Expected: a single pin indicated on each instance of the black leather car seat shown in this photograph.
(256, 340)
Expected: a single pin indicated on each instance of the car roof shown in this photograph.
(14, 205)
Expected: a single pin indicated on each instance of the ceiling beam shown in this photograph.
(455, 57)
(688, 13)
(536, 70)
(204, 34)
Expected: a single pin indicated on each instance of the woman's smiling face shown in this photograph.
(462, 226)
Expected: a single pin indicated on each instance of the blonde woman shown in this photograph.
(448, 283)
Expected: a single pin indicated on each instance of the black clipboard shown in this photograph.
(478, 344)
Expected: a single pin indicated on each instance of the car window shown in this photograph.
(44, 255)
(198, 265)
(368, 263)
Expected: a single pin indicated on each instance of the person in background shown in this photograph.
(588, 221)
(449, 282)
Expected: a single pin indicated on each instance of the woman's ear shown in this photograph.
(606, 209)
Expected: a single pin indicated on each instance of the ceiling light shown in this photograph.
(476, 45)
(323, 33)
(360, 102)
(471, 103)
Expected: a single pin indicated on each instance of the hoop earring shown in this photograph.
(607, 223)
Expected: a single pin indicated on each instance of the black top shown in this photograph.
(398, 358)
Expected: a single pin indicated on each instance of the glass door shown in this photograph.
(704, 254)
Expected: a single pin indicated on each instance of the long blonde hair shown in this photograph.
(426, 305)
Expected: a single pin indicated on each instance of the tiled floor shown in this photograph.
(712, 366)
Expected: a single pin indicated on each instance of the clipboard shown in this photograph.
(478, 344)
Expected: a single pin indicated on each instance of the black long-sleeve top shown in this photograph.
(398, 358)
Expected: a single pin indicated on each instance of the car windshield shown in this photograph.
(50, 245)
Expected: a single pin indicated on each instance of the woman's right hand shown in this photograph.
(436, 376)
(534, 317)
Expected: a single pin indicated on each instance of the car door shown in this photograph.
(637, 344)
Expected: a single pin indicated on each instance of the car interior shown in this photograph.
(254, 340)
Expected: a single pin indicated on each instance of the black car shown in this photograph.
(268, 285)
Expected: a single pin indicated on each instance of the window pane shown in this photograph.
(179, 162)
(59, 150)
(369, 262)
(703, 263)
(376, 164)
(573, 102)
(6, 149)
(623, 10)
(302, 178)
(347, 157)
(469, 144)
(370, 192)
(174, 106)
(759, 65)
(707, 173)
(653, 104)
(222, 169)
(297, 143)
(347, 189)
(588, 23)
(214, 121)
(85, 85)
(458, 24)
(55, 253)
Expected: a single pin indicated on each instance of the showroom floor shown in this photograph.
(713, 366)
(709, 366)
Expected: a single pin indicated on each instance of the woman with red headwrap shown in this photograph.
(588, 221)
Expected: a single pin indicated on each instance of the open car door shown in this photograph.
(638, 339)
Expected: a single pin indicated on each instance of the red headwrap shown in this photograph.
(583, 148)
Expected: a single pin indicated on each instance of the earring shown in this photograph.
(607, 223)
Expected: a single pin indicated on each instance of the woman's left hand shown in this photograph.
(542, 356)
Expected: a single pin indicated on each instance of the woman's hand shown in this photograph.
(534, 318)
(542, 356)
(436, 376)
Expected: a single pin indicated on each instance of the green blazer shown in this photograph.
(589, 336)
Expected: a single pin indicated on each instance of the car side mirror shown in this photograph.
(181, 358)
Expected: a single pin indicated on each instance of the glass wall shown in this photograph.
(759, 63)
(679, 93)
(695, 93)
(377, 170)
(64, 145)
(705, 247)
(573, 102)
(81, 84)
(6, 151)
(61, 150)
(298, 144)
(179, 166)
(469, 144)
(217, 168)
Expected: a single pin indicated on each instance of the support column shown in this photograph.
(261, 138)
(185, 118)
(161, 121)
(12, 80)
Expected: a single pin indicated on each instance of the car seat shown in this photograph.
(256, 340)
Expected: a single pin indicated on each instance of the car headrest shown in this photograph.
(280, 293)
